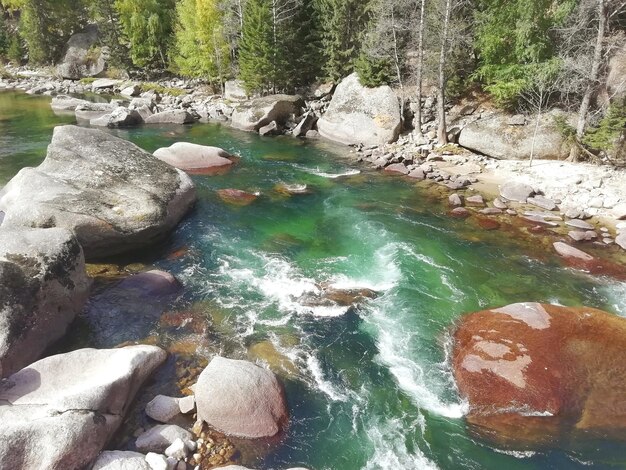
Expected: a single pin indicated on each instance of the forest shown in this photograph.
(525, 55)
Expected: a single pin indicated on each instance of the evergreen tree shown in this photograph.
(257, 51)
(105, 15)
(4, 34)
(147, 26)
(201, 49)
(343, 23)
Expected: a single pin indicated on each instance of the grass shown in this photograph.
(161, 90)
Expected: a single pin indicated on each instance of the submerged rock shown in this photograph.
(236, 197)
(361, 115)
(195, 158)
(61, 411)
(114, 196)
(43, 285)
(241, 399)
(564, 364)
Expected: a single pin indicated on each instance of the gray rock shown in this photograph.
(568, 251)
(270, 129)
(177, 449)
(241, 399)
(615, 83)
(514, 191)
(493, 136)
(67, 103)
(160, 437)
(119, 117)
(193, 157)
(499, 204)
(104, 84)
(131, 91)
(517, 120)
(114, 196)
(397, 168)
(43, 285)
(305, 125)
(460, 212)
(455, 200)
(476, 200)
(253, 115)
(358, 114)
(491, 211)
(579, 235)
(83, 57)
(234, 90)
(121, 460)
(579, 224)
(61, 411)
(163, 408)
(536, 219)
(543, 202)
(312, 134)
(89, 111)
(157, 461)
(187, 404)
(417, 174)
(621, 240)
(172, 116)
(544, 215)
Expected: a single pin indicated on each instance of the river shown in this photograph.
(368, 387)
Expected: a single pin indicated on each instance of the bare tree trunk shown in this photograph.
(420, 66)
(593, 79)
(442, 132)
(397, 64)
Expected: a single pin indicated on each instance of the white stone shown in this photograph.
(178, 449)
(156, 461)
(163, 408)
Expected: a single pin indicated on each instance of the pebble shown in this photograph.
(539, 220)
(499, 203)
(569, 251)
(455, 200)
(543, 202)
(460, 212)
(476, 200)
(580, 224)
(178, 449)
(491, 211)
(163, 408)
(187, 404)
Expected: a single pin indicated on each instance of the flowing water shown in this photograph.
(368, 387)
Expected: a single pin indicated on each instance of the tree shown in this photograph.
(419, 68)
(257, 49)
(147, 26)
(106, 16)
(442, 130)
(343, 23)
(201, 49)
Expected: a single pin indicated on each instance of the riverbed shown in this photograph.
(369, 387)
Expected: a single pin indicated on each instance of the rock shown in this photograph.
(187, 404)
(579, 235)
(195, 158)
(131, 91)
(121, 460)
(455, 200)
(499, 204)
(89, 111)
(178, 449)
(514, 191)
(270, 129)
(234, 90)
(360, 115)
(476, 200)
(417, 174)
(172, 116)
(568, 251)
(305, 125)
(119, 117)
(580, 224)
(241, 399)
(43, 285)
(163, 408)
(538, 219)
(253, 115)
(69, 402)
(491, 211)
(529, 360)
(292, 189)
(157, 461)
(152, 283)
(517, 120)
(83, 57)
(543, 202)
(494, 137)
(397, 168)
(114, 196)
(104, 84)
(160, 437)
(621, 240)
(237, 197)
(460, 212)
(615, 83)
(312, 134)
(619, 211)
(67, 103)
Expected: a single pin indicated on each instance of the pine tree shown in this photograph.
(257, 51)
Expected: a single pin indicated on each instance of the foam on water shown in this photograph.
(323, 174)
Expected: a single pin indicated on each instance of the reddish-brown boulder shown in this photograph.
(236, 197)
(542, 368)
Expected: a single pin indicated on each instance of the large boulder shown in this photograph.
(43, 285)
(83, 56)
(361, 115)
(241, 399)
(60, 412)
(498, 137)
(566, 365)
(119, 117)
(616, 77)
(171, 116)
(114, 196)
(194, 158)
(255, 114)
(234, 90)
(67, 103)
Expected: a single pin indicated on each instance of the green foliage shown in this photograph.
(343, 25)
(15, 51)
(258, 54)
(147, 27)
(201, 49)
(512, 37)
(373, 72)
(605, 135)
(106, 16)
(162, 90)
(4, 35)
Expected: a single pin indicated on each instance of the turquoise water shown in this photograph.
(368, 387)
